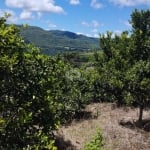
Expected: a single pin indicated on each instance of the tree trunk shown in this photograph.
(141, 113)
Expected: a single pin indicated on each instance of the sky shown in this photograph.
(88, 17)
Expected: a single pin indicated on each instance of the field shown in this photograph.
(118, 126)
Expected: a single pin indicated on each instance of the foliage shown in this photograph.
(28, 114)
(140, 21)
(37, 93)
(111, 65)
(79, 59)
(138, 81)
(123, 65)
(75, 93)
(96, 143)
(138, 74)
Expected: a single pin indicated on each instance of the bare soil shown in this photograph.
(119, 128)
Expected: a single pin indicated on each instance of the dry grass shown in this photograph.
(109, 118)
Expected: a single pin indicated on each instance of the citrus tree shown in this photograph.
(123, 64)
(27, 111)
(138, 74)
(111, 65)
(37, 93)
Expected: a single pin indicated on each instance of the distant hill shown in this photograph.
(54, 41)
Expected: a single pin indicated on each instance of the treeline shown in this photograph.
(39, 92)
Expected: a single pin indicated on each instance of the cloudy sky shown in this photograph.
(89, 17)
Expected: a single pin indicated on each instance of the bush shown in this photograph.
(96, 143)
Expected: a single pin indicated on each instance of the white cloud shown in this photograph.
(127, 23)
(93, 24)
(74, 2)
(27, 15)
(94, 30)
(12, 19)
(35, 5)
(89, 35)
(84, 23)
(95, 4)
(118, 32)
(39, 14)
(130, 2)
(92, 34)
(51, 25)
(80, 33)
(93, 27)
(96, 35)
(2, 12)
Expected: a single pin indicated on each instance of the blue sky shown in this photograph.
(88, 17)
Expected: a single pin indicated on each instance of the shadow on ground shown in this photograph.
(64, 145)
(61, 143)
(80, 116)
(84, 115)
(144, 125)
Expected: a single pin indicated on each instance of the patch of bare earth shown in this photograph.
(117, 124)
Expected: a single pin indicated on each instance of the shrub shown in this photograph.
(96, 143)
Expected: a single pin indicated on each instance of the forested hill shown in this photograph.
(54, 41)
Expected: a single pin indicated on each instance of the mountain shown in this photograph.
(55, 41)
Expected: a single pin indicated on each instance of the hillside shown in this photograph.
(54, 41)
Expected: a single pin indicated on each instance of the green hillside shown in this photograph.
(54, 41)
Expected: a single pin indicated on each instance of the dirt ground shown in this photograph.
(118, 126)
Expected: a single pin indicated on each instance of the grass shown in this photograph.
(117, 136)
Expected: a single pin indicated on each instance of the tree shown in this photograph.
(37, 93)
(112, 64)
(138, 74)
(75, 90)
(138, 79)
(27, 112)
(123, 65)
(140, 21)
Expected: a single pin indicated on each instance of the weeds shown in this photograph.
(96, 143)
